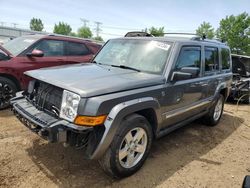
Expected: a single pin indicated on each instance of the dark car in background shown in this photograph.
(241, 78)
(37, 51)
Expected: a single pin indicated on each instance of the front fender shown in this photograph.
(115, 117)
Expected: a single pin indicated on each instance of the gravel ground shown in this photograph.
(193, 156)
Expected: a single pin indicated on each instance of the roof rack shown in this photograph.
(138, 34)
(196, 37)
(200, 38)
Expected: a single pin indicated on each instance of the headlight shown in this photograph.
(70, 102)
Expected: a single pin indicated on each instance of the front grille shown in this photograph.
(46, 97)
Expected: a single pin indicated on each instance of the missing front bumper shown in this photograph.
(45, 125)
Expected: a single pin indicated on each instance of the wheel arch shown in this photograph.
(151, 117)
(224, 92)
(223, 89)
(142, 106)
(12, 78)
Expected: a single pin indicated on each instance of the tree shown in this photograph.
(84, 32)
(62, 28)
(99, 38)
(207, 29)
(157, 32)
(235, 31)
(36, 24)
(73, 34)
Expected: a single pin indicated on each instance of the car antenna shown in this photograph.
(203, 36)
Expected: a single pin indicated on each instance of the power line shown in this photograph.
(112, 34)
(121, 28)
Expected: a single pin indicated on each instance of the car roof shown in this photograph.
(176, 39)
(62, 37)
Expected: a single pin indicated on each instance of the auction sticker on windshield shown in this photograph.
(29, 40)
(162, 45)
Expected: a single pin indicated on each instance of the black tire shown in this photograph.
(8, 90)
(246, 182)
(209, 119)
(110, 161)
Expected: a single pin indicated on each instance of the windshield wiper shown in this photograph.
(126, 67)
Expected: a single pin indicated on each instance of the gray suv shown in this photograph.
(136, 90)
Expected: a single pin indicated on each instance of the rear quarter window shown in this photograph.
(77, 49)
(211, 59)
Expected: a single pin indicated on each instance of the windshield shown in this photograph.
(144, 55)
(17, 45)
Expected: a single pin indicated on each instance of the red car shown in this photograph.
(34, 52)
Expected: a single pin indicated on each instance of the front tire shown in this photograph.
(8, 90)
(246, 182)
(130, 147)
(215, 113)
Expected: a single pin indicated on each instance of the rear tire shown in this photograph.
(8, 90)
(215, 113)
(129, 148)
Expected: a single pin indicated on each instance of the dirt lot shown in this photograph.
(193, 156)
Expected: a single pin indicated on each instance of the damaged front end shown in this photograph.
(38, 109)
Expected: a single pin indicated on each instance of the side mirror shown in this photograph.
(185, 73)
(35, 53)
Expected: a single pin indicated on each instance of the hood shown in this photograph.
(6, 51)
(90, 79)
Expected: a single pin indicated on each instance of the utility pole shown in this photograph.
(84, 22)
(98, 29)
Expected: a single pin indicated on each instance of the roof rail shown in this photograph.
(138, 34)
(66, 36)
(196, 37)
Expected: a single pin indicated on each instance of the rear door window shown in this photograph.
(225, 57)
(211, 59)
(77, 49)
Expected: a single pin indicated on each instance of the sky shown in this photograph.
(118, 17)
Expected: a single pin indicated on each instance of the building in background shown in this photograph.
(8, 33)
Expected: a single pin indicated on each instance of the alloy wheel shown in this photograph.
(218, 109)
(6, 93)
(133, 147)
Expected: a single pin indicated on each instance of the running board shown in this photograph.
(171, 128)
